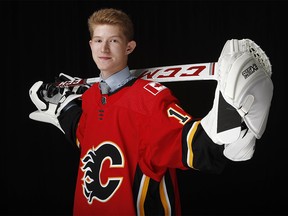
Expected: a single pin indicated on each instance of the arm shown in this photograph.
(199, 150)
(69, 121)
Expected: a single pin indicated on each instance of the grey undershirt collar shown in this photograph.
(118, 79)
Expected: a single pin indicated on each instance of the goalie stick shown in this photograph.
(176, 73)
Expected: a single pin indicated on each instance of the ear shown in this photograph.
(130, 47)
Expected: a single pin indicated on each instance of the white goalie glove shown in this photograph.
(50, 100)
(242, 97)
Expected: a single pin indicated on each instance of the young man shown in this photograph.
(127, 163)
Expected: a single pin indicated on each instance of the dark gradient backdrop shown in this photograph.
(40, 39)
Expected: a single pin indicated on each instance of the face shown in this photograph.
(110, 49)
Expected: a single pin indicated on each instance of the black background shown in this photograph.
(40, 39)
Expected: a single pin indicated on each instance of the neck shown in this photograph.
(106, 74)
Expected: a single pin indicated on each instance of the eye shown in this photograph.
(97, 40)
(114, 41)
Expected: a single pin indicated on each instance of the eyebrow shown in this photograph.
(113, 36)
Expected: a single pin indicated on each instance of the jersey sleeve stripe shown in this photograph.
(142, 195)
(189, 143)
(164, 197)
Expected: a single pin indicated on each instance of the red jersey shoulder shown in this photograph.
(92, 92)
(150, 87)
(154, 88)
(144, 95)
(152, 92)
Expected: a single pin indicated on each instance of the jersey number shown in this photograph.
(183, 118)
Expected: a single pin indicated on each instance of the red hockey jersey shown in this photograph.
(131, 142)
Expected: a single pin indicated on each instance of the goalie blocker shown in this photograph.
(242, 99)
(51, 101)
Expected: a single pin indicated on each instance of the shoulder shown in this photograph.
(151, 88)
(145, 92)
(92, 92)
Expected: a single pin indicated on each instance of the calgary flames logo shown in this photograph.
(96, 186)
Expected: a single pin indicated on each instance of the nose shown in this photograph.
(105, 47)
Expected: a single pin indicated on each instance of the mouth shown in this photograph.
(104, 58)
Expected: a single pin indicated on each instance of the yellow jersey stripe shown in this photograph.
(164, 197)
(190, 136)
(142, 195)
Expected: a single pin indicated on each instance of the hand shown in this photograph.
(243, 148)
(243, 93)
(245, 82)
(50, 102)
(78, 89)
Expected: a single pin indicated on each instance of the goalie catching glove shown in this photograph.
(242, 99)
(51, 100)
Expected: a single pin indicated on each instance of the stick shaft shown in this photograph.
(175, 73)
